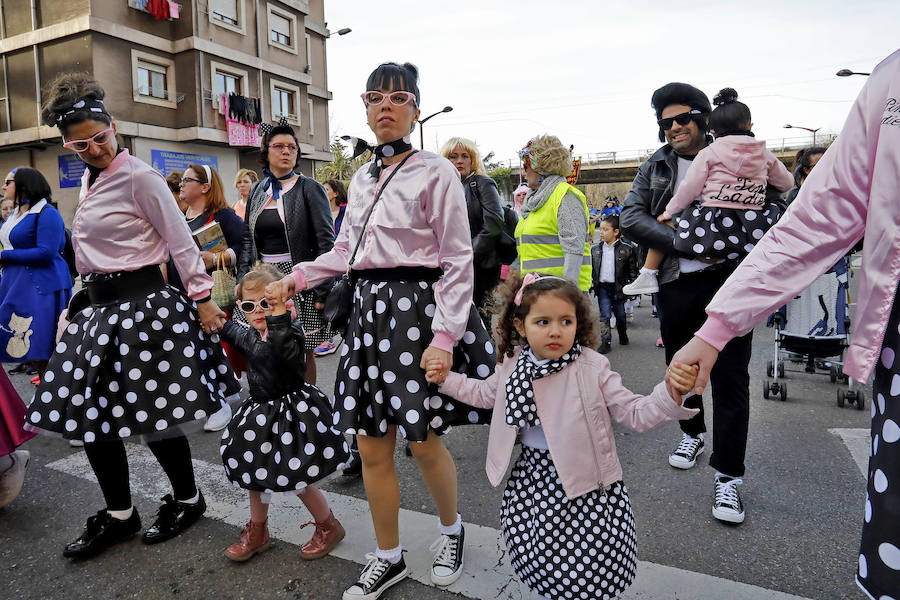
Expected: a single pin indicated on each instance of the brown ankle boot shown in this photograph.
(254, 539)
(327, 535)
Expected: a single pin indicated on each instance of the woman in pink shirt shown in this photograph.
(135, 357)
(413, 301)
(851, 193)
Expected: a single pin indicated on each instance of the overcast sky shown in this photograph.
(585, 70)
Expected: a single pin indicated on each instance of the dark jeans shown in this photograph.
(606, 298)
(682, 305)
(485, 282)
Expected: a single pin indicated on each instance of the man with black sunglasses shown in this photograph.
(686, 286)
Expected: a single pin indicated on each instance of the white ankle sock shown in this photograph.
(122, 515)
(193, 500)
(393, 555)
(451, 529)
(651, 271)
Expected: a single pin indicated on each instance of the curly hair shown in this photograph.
(549, 156)
(507, 334)
(468, 146)
(63, 92)
(261, 275)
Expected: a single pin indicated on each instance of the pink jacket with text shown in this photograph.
(853, 191)
(576, 407)
(732, 172)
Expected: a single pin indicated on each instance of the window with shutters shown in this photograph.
(285, 101)
(227, 13)
(282, 29)
(153, 79)
(227, 79)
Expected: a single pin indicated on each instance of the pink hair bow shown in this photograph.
(528, 280)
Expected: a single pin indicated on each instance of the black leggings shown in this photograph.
(110, 465)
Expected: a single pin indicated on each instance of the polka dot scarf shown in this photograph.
(521, 411)
(381, 151)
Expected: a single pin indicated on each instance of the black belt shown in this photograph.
(113, 288)
(398, 274)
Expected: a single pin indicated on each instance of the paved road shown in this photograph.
(804, 492)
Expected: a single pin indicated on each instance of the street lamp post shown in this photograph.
(848, 73)
(813, 131)
(425, 120)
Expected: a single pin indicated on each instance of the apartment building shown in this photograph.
(166, 67)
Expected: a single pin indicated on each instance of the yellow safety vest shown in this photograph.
(537, 238)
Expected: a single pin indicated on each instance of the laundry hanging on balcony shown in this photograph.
(240, 133)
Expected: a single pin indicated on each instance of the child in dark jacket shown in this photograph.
(614, 266)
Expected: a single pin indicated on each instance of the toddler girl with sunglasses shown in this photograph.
(729, 177)
(565, 509)
(280, 439)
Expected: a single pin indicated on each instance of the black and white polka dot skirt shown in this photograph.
(315, 327)
(711, 232)
(583, 548)
(142, 367)
(379, 382)
(282, 445)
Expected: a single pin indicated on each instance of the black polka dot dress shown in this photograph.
(379, 382)
(281, 439)
(142, 367)
(711, 232)
(583, 548)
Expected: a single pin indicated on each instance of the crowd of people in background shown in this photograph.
(447, 321)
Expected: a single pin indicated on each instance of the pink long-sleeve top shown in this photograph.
(852, 192)
(732, 172)
(420, 221)
(128, 219)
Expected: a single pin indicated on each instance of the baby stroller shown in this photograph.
(813, 328)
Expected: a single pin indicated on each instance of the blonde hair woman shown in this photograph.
(553, 209)
(485, 218)
(243, 181)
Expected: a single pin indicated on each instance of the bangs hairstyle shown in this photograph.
(394, 77)
(31, 187)
(470, 147)
(215, 198)
(64, 91)
(613, 221)
(729, 114)
(262, 275)
(686, 94)
(246, 173)
(338, 188)
(507, 335)
(267, 140)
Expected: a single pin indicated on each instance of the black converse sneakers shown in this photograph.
(685, 455)
(377, 576)
(448, 558)
(727, 505)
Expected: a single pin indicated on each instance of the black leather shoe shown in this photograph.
(623, 339)
(172, 518)
(101, 532)
(353, 468)
(604, 348)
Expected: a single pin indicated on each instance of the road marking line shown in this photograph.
(487, 572)
(857, 441)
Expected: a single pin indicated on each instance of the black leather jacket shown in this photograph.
(626, 267)
(276, 367)
(307, 221)
(485, 219)
(651, 190)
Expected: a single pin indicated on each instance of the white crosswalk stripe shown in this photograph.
(487, 572)
(858, 442)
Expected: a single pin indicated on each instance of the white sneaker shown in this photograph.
(448, 558)
(645, 283)
(685, 455)
(219, 419)
(727, 505)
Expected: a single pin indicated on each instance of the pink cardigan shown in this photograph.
(576, 407)
(852, 192)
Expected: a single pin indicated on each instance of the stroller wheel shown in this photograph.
(770, 368)
(782, 392)
(834, 373)
(841, 398)
(781, 368)
(766, 389)
(860, 400)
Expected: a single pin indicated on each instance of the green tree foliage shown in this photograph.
(343, 166)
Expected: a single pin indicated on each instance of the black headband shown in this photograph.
(83, 105)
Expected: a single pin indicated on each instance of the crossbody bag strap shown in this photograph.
(372, 208)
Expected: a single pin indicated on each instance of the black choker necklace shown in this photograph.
(381, 151)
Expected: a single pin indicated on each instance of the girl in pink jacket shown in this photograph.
(558, 397)
(729, 179)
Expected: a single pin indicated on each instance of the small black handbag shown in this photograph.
(339, 301)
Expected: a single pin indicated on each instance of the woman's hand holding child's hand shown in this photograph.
(436, 363)
(277, 304)
(434, 371)
(680, 380)
(284, 288)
